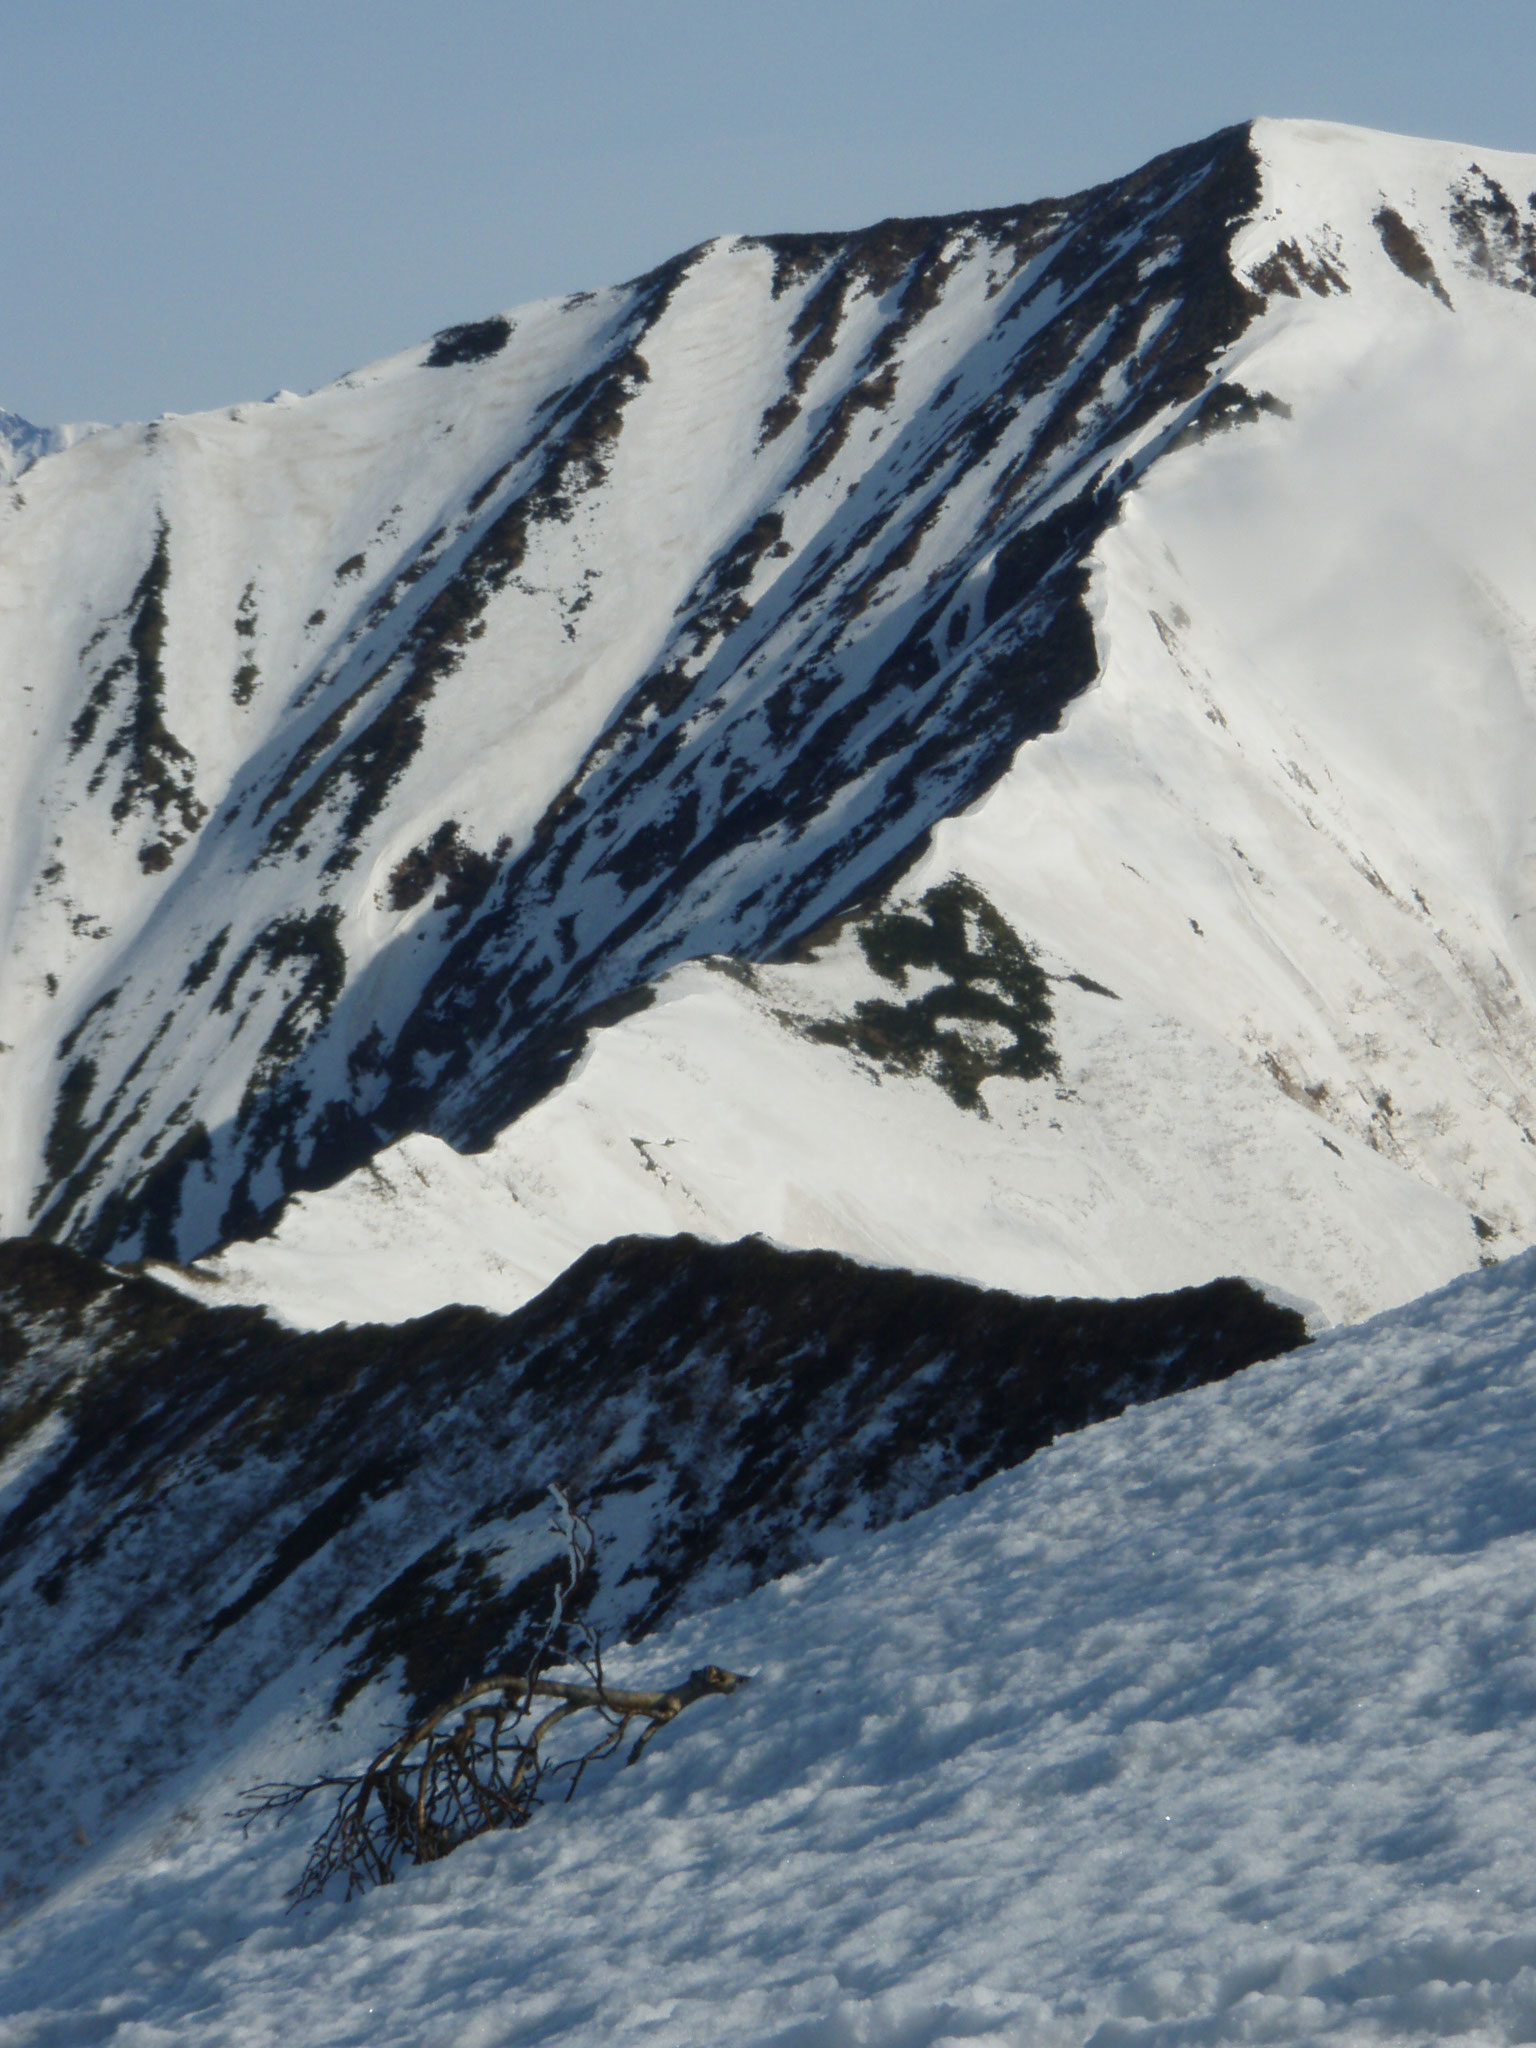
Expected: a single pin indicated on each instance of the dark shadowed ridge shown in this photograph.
(201, 1500)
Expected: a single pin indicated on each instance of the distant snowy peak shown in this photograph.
(22, 444)
(1286, 829)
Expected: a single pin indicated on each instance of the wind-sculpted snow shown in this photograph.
(1212, 1724)
(193, 1501)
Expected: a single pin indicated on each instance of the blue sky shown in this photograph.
(204, 202)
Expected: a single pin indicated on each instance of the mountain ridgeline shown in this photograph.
(367, 1509)
(659, 624)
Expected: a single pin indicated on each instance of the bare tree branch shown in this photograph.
(476, 1763)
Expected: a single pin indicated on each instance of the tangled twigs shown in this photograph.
(478, 1762)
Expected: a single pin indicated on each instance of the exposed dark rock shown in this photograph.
(374, 1496)
(1287, 269)
(473, 341)
(1408, 252)
(1497, 240)
(465, 873)
(989, 1016)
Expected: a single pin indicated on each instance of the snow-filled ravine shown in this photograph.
(1213, 1723)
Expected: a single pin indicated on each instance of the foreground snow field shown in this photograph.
(1213, 1723)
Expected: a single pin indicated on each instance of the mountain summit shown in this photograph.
(1064, 671)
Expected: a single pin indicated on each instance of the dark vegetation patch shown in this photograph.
(303, 954)
(357, 773)
(489, 488)
(206, 963)
(472, 341)
(80, 1144)
(447, 858)
(93, 1015)
(870, 394)
(1231, 404)
(155, 1214)
(1089, 986)
(858, 591)
(1408, 252)
(154, 769)
(1288, 269)
(83, 728)
(752, 1395)
(451, 1610)
(797, 258)
(990, 1015)
(655, 845)
(325, 1520)
(715, 604)
(69, 1133)
(812, 338)
(247, 675)
(1491, 233)
(909, 252)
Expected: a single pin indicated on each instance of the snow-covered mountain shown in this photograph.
(1071, 665)
(990, 751)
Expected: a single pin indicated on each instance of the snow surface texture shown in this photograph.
(1211, 1724)
(1287, 830)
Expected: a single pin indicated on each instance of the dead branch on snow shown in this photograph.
(478, 1762)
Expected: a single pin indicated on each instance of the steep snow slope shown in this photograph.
(1212, 1724)
(372, 748)
(1289, 828)
(366, 742)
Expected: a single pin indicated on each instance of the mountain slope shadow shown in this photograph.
(195, 1502)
